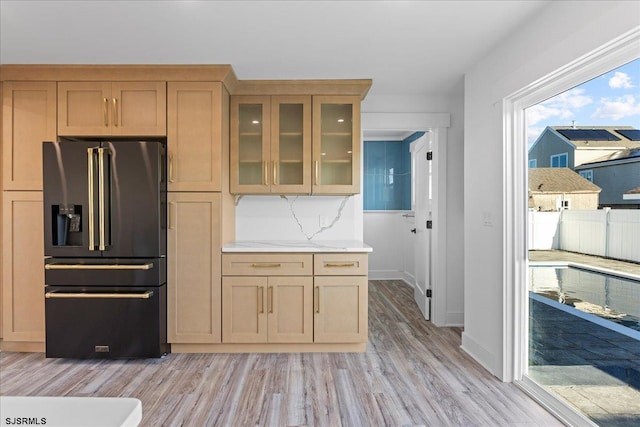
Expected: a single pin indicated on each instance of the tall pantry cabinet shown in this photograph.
(197, 139)
(28, 118)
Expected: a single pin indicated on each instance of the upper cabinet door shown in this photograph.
(336, 145)
(29, 117)
(195, 135)
(250, 149)
(84, 108)
(139, 108)
(112, 109)
(291, 144)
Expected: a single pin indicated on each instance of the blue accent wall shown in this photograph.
(387, 174)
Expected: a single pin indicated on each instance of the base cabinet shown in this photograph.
(267, 309)
(193, 269)
(23, 275)
(340, 314)
(294, 298)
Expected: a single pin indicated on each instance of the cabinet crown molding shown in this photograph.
(182, 72)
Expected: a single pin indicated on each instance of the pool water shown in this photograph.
(609, 297)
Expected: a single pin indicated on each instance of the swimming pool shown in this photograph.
(610, 297)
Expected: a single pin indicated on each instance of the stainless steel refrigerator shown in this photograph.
(105, 248)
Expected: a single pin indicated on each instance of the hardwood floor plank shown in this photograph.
(411, 374)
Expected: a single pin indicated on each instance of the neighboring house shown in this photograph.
(615, 174)
(633, 194)
(569, 147)
(553, 189)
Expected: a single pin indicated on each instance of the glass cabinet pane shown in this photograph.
(336, 146)
(291, 144)
(250, 144)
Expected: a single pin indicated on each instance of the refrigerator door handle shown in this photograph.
(90, 183)
(147, 266)
(54, 294)
(101, 199)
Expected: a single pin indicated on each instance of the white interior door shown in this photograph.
(422, 205)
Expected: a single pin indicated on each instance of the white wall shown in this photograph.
(561, 33)
(389, 234)
(454, 106)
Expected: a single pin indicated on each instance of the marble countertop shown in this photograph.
(297, 246)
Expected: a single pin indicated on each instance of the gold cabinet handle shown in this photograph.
(270, 300)
(115, 112)
(316, 299)
(316, 173)
(265, 166)
(170, 168)
(105, 111)
(147, 266)
(260, 299)
(170, 215)
(265, 265)
(275, 173)
(339, 264)
(54, 294)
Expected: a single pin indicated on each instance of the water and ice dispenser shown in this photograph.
(67, 226)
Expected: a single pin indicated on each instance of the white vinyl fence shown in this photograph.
(608, 233)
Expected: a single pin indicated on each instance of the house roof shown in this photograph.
(629, 153)
(633, 191)
(559, 180)
(597, 136)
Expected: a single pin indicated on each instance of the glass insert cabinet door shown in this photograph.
(336, 145)
(291, 144)
(250, 132)
(271, 144)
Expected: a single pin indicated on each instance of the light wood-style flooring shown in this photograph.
(412, 374)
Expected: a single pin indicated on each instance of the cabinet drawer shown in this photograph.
(340, 264)
(267, 264)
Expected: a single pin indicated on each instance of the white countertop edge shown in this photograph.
(296, 246)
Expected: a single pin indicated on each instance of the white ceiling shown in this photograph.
(408, 48)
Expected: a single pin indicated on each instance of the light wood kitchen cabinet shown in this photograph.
(29, 118)
(267, 298)
(23, 284)
(112, 108)
(340, 312)
(341, 293)
(271, 144)
(273, 309)
(195, 135)
(193, 270)
(336, 145)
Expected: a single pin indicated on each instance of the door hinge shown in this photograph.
(428, 293)
(429, 155)
(429, 224)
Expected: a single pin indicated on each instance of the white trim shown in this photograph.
(559, 156)
(403, 121)
(480, 353)
(515, 296)
(554, 404)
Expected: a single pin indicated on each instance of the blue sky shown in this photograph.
(612, 99)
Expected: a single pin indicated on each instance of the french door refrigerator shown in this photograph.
(105, 248)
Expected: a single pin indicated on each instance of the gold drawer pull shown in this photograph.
(54, 294)
(147, 266)
(265, 265)
(338, 264)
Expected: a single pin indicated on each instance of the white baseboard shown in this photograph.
(454, 319)
(392, 275)
(481, 355)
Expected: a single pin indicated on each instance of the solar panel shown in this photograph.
(632, 134)
(588, 135)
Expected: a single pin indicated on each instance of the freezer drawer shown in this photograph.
(105, 322)
(105, 272)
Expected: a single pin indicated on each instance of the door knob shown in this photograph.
(413, 230)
